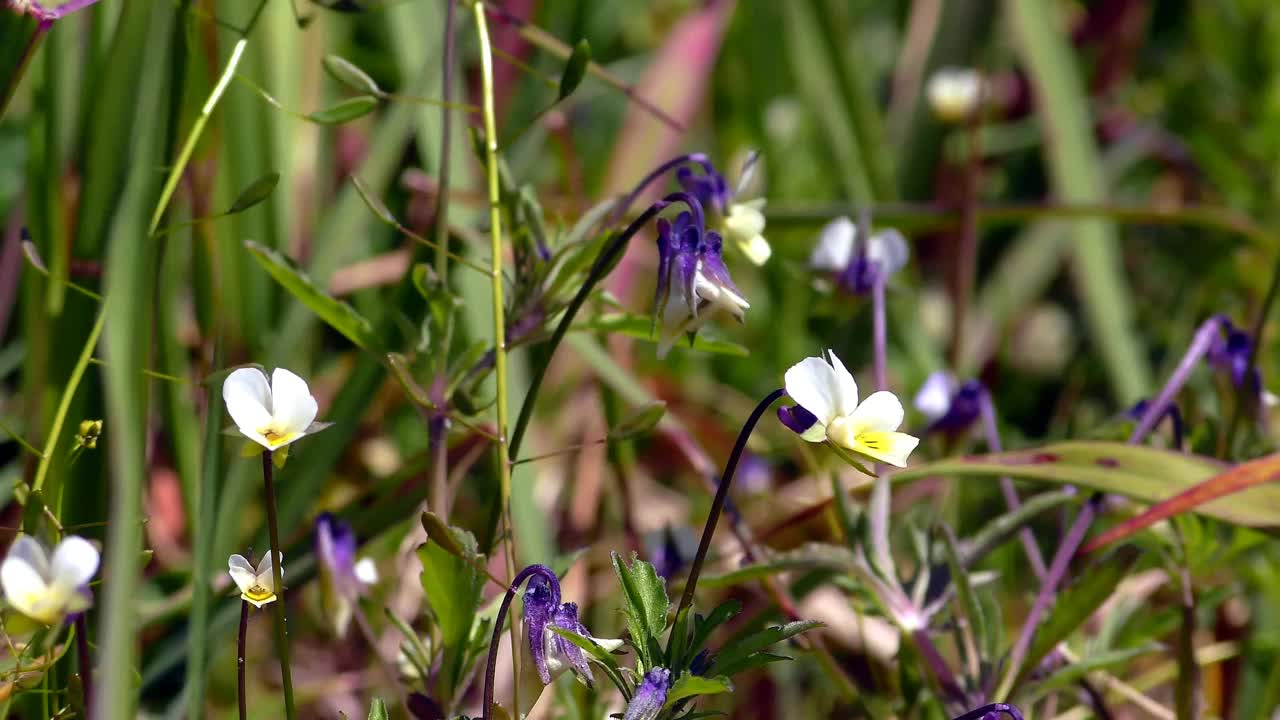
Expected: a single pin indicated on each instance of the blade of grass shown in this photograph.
(1075, 168)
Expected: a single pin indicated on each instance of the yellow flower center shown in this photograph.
(275, 437)
(258, 594)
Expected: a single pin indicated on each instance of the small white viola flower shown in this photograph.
(954, 93)
(828, 411)
(858, 263)
(44, 589)
(272, 415)
(257, 586)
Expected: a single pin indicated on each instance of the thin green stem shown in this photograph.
(64, 405)
(277, 577)
(499, 310)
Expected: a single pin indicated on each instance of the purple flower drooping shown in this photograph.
(797, 419)
(553, 654)
(650, 696)
(710, 187)
(1230, 353)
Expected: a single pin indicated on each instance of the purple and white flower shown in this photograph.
(858, 263)
(692, 279)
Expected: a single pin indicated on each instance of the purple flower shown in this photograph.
(553, 654)
(742, 222)
(858, 263)
(692, 278)
(797, 419)
(650, 696)
(344, 578)
(1230, 354)
(710, 187)
(951, 407)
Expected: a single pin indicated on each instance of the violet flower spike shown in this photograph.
(650, 696)
(858, 263)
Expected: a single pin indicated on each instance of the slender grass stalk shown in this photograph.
(277, 577)
(84, 662)
(60, 416)
(499, 309)
(241, 696)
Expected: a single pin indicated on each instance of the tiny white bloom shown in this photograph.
(366, 571)
(272, 415)
(954, 93)
(828, 391)
(257, 586)
(934, 397)
(744, 226)
(46, 590)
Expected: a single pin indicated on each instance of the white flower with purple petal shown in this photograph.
(344, 577)
(692, 279)
(45, 588)
(857, 264)
(950, 406)
(827, 410)
(743, 221)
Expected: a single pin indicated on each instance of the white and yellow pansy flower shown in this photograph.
(47, 589)
(271, 415)
(826, 391)
(257, 586)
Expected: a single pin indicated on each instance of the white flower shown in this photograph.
(272, 415)
(828, 391)
(257, 587)
(841, 250)
(933, 400)
(954, 93)
(744, 226)
(45, 590)
(366, 571)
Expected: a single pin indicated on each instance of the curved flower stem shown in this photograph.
(495, 284)
(1200, 345)
(878, 334)
(84, 662)
(624, 203)
(722, 494)
(996, 708)
(242, 697)
(491, 665)
(601, 267)
(277, 577)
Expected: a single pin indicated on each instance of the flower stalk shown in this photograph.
(241, 697)
(491, 664)
(85, 662)
(282, 632)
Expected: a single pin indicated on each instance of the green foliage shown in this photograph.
(452, 586)
(646, 606)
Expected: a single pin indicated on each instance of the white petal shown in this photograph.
(74, 562)
(847, 395)
(293, 407)
(888, 249)
(835, 245)
(248, 399)
(744, 220)
(934, 397)
(812, 384)
(366, 571)
(895, 447)
(880, 412)
(29, 550)
(265, 576)
(241, 572)
(24, 584)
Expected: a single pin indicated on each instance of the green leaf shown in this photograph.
(338, 314)
(1078, 602)
(809, 556)
(639, 423)
(694, 685)
(575, 70)
(970, 609)
(345, 110)
(378, 710)
(640, 328)
(374, 204)
(452, 586)
(347, 73)
(704, 626)
(607, 661)
(1141, 473)
(645, 594)
(749, 652)
(257, 191)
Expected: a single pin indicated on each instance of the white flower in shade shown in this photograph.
(828, 392)
(858, 264)
(257, 586)
(744, 226)
(954, 93)
(272, 415)
(45, 589)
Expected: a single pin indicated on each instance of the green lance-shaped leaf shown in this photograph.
(575, 70)
(338, 314)
(344, 110)
(258, 191)
(642, 421)
(693, 685)
(374, 203)
(645, 594)
(749, 652)
(349, 74)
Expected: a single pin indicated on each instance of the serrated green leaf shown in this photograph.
(646, 599)
(603, 657)
(337, 314)
(345, 110)
(694, 685)
(452, 587)
(258, 191)
(378, 710)
(349, 74)
(575, 69)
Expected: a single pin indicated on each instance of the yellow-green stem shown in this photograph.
(499, 319)
(64, 405)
